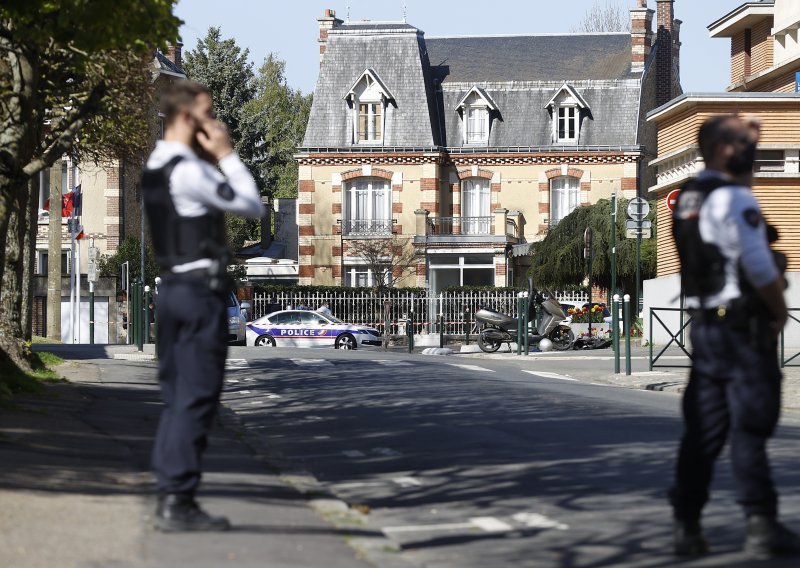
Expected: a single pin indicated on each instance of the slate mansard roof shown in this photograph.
(429, 77)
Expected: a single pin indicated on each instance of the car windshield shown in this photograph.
(333, 319)
(231, 300)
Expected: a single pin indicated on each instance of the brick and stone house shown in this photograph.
(467, 147)
(765, 62)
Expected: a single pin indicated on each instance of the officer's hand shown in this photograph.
(214, 139)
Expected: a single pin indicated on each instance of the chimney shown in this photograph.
(665, 70)
(174, 53)
(641, 34)
(326, 23)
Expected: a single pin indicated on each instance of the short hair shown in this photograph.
(180, 96)
(714, 132)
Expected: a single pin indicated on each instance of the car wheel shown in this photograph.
(265, 341)
(346, 341)
(562, 338)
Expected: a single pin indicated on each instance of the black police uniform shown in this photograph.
(735, 382)
(185, 198)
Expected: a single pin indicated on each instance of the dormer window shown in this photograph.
(566, 106)
(367, 100)
(476, 110)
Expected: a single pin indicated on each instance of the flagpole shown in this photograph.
(76, 184)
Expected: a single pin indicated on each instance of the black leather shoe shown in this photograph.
(767, 538)
(689, 539)
(178, 512)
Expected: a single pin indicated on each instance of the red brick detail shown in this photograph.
(629, 184)
(430, 206)
(575, 172)
(359, 172)
(112, 243)
(336, 188)
(336, 251)
(500, 269)
(306, 208)
(397, 187)
(544, 187)
(544, 207)
(306, 271)
(428, 184)
(543, 228)
(336, 230)
(495, 187)
(306, 231)
(307, 250)
(420, 270)
(455, 187)
(305, 186)
(586, 186)
(552, 173)
(397, 207)
(556, 172)
(336, 208)
(466, 174)
(336, 271)
(585, 204)
(398, 229)
(456, 209)
(112, 177)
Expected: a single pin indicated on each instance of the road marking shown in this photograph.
(354, 454)
(385, 452)
(322, 437)
(256, 402)
(548, 375)
(538, 521)
(231, 381)
(236, 363)
(271, 395)
(407, 481)
(392, 362)
(490, 524)
(357, 484)
(470, 367)
(312, 362)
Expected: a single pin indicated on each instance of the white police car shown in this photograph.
(304, 328)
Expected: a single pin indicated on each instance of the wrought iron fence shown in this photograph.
(367, 226)
(453, 310)
(460, 226)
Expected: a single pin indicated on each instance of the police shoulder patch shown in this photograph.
(226, 192)
(752, 217)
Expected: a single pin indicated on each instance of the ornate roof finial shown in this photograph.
(405, 11)
(348, 12)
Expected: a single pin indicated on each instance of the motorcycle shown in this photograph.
(499, 328)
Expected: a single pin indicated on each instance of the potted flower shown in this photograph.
(582, 318)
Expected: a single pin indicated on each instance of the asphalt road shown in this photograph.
(484, 462)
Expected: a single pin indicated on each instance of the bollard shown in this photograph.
(525, 306)
(137, 304)
(410, 334)
(615, 330)
(466, 327)
(519, 324)
(441, 330)
(626, 322)
(146, 318)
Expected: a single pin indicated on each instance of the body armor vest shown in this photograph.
(179, 240)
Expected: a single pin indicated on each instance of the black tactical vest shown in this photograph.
(702, 264)
(178, 240)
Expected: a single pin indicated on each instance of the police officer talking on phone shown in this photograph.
(192, 177)
(734, 286)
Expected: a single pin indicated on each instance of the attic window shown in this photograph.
(367, 100)
(566, 106)
(476, 112)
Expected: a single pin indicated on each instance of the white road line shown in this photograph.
(231, 381)
(392, 362)
(470, 367)
(322, 437)
(548, 375)
(385, 452)
(257, 402)
(354, 454)
(490, 524)
(407, 481)
(425, 528)
(271, 395)
(242, 392)
(236, 363)
(538, 521)
(312, 362)
(357, 484)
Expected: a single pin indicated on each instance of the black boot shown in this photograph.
(689, 539)
(178, 512)
(766, 538)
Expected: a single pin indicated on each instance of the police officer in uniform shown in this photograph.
(185, 198)
(734, 289)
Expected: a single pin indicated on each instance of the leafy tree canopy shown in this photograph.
(129, 250)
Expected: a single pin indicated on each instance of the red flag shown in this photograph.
(66, 204)
(79, 236)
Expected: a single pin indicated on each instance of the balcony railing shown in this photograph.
(367, 226)
(460, 226)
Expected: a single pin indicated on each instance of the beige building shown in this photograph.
(470, 148)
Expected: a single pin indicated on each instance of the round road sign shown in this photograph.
(638, 208)
(672, 199)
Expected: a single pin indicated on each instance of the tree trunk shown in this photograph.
(29, 261)
(12, 337)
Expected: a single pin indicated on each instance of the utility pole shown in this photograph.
(613, 245)
(54, 257)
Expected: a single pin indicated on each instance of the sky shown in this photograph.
(290, 29)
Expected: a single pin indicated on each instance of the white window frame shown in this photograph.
(571, 123)
(565, 195)
(475, 133)
(476, 201)
(370, 91)
(373, 212)
(355, 270)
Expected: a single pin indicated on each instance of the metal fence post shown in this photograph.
(520, 323)
(615, 330)
(466, 326)
(146, 310)
(626, 323)
(526, 301)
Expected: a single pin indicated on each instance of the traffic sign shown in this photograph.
(672, 199)
(92, 272)
(633, 233)
(93, 253)
(638, 208)
(643, 224)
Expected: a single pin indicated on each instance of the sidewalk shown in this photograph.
(75, 490)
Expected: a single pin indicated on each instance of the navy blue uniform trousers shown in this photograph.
(192, 345)
(734, 392)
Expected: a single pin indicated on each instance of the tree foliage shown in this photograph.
(558, 261)
(73, 80)
(391, 259)
(608, 17)
(129, 250)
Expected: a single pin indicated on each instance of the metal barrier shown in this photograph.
(784, 361)
(676, 338)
